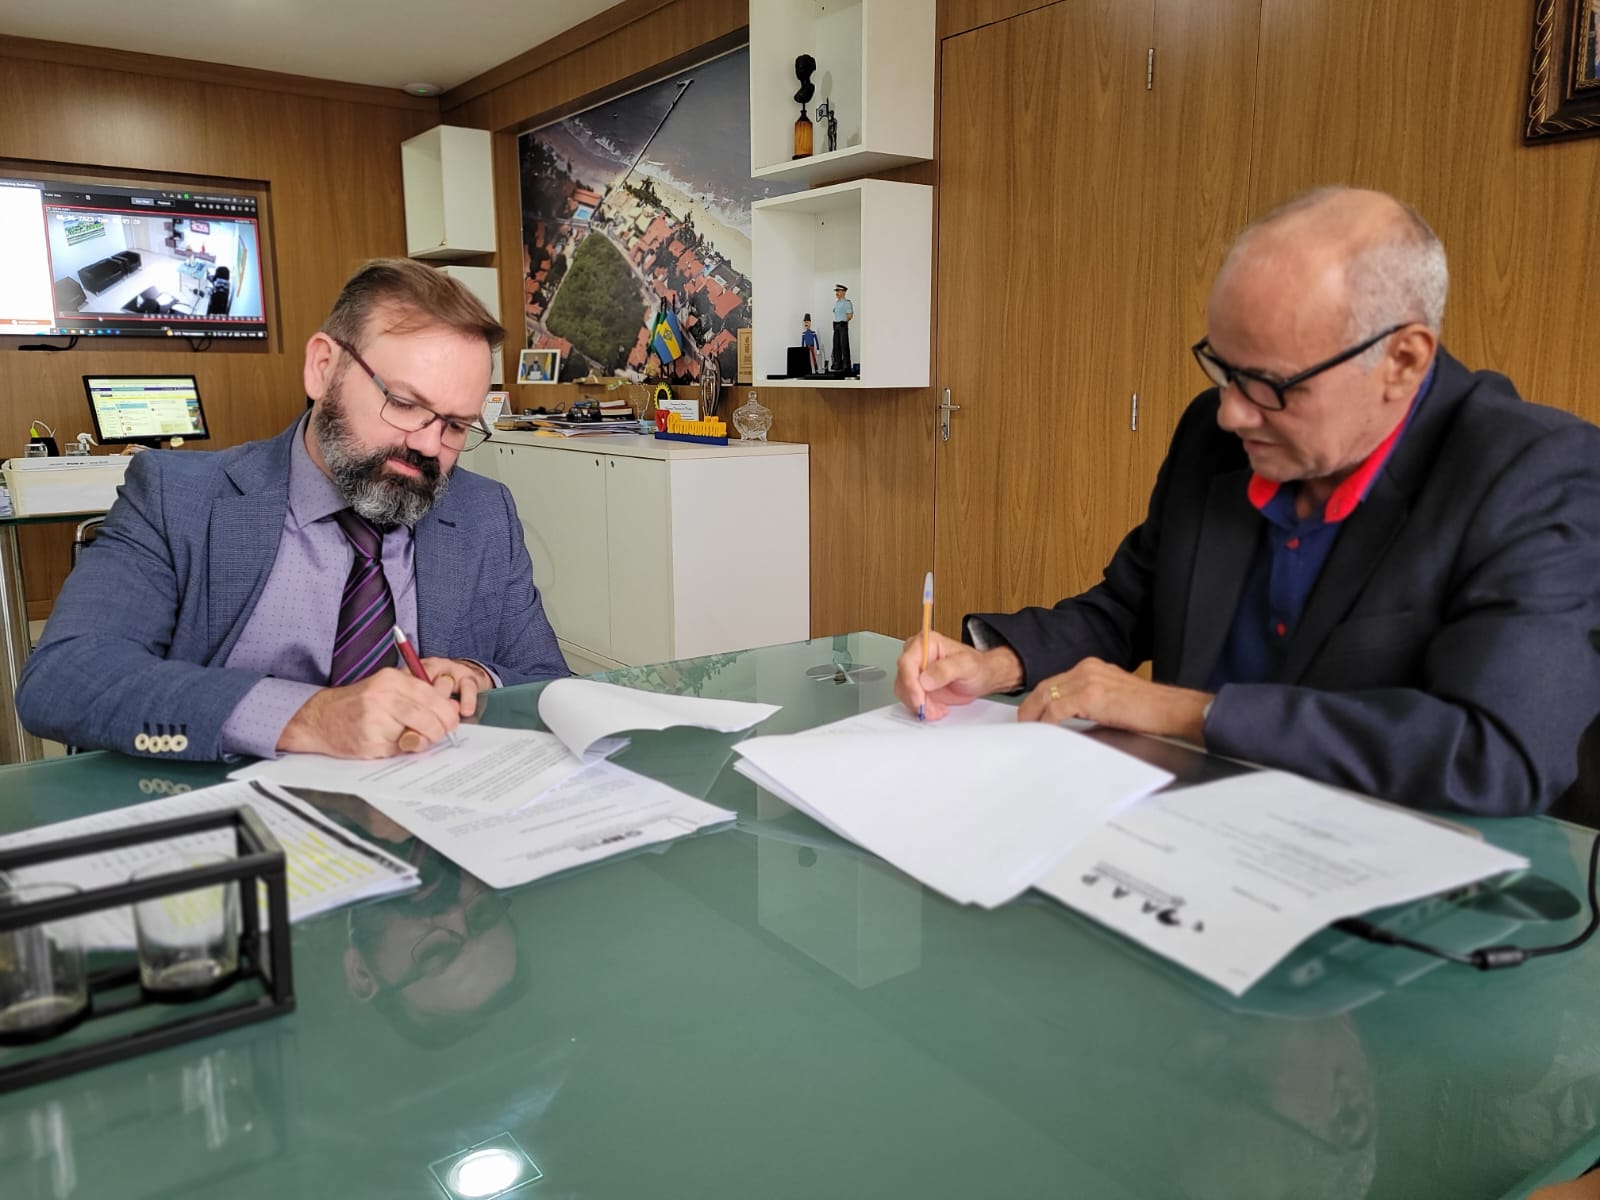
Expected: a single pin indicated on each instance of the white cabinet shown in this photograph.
(875, 61)
(449, 193)
(630, 550)
(873, 236)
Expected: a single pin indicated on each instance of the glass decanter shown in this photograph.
(752, 419)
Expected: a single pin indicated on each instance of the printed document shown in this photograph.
(496, 770)
(327, 867)
(1228, 877)
(601, 811)
(977, 811)
(491, 770)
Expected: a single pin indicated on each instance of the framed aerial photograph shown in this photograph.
(539, 366)
(1564, 83)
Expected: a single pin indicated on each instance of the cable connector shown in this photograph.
(1492, 958)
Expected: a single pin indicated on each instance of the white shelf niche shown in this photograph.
(484, 283)
(875, 61)
(873, 236)
(448, 178)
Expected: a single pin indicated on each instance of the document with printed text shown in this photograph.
(601, 811)
(495, 770)
(1228, 877)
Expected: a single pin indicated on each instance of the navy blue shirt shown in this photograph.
(1288, 560)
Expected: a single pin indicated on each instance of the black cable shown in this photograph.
(1490, 958)
(71, 342)
(198, 344)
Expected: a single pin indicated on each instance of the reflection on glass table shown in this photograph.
(729, 1016)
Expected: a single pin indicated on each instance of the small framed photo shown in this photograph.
(539, 366)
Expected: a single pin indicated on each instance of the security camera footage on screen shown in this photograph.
(103, 260)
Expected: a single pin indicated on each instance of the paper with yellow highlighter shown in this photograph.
(328, 867)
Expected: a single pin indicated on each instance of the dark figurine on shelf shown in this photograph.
(825, 109)
(843, 313)
(804, 67)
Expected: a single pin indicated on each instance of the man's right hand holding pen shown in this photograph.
(956, 674)
(388, 712)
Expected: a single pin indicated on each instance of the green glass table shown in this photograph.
(765, 1011)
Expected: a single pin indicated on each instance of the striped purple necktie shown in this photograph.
(364, 640)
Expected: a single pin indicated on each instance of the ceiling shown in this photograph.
(387, 43)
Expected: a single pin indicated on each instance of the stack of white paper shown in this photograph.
(979, 810)
(326, 866)
(513, 805)
(1227, 878)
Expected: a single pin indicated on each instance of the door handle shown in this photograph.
(945, 409)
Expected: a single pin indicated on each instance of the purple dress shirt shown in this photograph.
(289, 634)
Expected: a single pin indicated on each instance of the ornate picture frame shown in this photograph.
(1564, 73)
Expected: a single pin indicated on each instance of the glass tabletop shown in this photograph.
(763, 1010)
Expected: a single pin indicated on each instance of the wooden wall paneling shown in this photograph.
(1198, 200)
(961, 16)
(328, 160)
(1426, 100)
(1043, 165)
(643, 46)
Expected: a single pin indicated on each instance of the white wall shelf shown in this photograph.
(449, 193)
(873, 236)
(624, 560)
(875, 62)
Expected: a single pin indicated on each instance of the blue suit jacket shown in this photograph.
(1443, 657)
(138, 638)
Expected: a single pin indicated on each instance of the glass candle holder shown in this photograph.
(44, 986)
(188, 941)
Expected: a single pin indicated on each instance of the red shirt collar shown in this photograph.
(1352, 489)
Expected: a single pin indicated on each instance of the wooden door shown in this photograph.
(1044, 122)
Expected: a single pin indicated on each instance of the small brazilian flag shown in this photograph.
(668, 339)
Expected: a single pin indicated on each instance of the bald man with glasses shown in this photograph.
(1361, 562)
(243, 602)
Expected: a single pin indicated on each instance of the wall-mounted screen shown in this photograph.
(144, 410)
(127, 260)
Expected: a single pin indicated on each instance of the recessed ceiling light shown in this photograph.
(422, 89)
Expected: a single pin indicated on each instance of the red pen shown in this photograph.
(403, 644)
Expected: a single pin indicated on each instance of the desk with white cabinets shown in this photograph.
(646, 550)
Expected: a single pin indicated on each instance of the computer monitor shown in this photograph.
(86, 257)
(144, 410)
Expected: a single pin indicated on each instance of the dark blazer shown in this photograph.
(1442, 660)
(149, 615)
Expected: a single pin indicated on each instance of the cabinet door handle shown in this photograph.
(1133, 414)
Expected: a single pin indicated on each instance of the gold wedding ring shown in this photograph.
(1055, 692)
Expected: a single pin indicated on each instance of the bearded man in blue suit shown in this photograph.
(238, 602)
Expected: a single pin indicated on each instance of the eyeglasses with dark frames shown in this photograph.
(413, 416)
(1266, 391)
(436, 951)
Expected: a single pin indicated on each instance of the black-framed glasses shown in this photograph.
(1263, 390)
(413, 416)
(436, 951)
